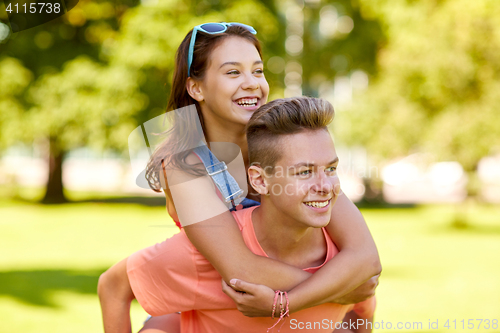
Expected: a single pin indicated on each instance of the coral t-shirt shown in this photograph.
(173, 276)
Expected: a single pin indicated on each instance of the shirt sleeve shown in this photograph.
(164, 277)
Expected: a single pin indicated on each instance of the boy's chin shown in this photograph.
(318, 222)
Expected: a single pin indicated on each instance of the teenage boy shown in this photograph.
(297, 180)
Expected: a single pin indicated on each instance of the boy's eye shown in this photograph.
(331, 169)
(304, 172)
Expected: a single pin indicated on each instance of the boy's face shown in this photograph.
(304, 185)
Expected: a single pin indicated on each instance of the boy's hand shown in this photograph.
(361, 293)
(253, 300)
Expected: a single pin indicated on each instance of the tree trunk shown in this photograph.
(461, 220)
(54, 191)
(373, 191)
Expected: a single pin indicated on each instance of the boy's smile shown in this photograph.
(318, 205)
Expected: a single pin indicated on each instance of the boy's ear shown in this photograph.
(257, 178)
(193, 88)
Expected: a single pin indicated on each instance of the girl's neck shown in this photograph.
(215, 132)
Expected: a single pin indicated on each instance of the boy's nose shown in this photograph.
(326, 184)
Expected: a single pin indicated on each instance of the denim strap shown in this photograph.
(228, 187)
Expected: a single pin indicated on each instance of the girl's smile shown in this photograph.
(250, 103)
(234, 85)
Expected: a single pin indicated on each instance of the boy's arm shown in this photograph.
(162, 277)
(115, 296)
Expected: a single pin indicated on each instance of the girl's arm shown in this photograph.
(356, 262)
(213, 231)
(220, 241)
(255, 300)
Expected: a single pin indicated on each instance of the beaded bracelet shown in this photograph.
(284, 312)
(274, 304)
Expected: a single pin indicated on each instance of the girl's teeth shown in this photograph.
(248, 102)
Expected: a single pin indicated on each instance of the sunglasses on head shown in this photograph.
(212, 29)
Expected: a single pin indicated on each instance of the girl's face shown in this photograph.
(234, 85)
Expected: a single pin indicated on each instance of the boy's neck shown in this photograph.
(280, 239)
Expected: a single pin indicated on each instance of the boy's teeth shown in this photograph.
(317, 204)
(247, 102)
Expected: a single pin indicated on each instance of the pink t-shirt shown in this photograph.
(173, 276)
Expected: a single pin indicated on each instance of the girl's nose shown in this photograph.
(250, 82)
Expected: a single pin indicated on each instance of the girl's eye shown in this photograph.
(233, 72)
(259, 71)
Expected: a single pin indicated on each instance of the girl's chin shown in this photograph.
(242, 116)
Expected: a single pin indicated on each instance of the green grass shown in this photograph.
(52, 256)
(432, 271)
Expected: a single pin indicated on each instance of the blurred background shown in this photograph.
(415, 88)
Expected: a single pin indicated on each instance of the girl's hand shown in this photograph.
(253, 300)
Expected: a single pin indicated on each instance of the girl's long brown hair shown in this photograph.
(181, 138)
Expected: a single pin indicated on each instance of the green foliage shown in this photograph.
(326, 55)
(437, 84)
(86, 103)
(14, 80)
(58, 86)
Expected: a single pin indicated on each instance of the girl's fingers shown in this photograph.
(247, 287)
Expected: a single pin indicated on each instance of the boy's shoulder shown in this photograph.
(244, 217)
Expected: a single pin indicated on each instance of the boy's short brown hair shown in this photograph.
(283, 117)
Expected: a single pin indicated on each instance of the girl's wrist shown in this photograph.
(281, 307)
(296, 303)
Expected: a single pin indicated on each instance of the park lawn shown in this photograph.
(433, 272)
(52, 257)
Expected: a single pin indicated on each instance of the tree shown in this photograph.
(14, 81)
(86, 103)
(338, 39)
(91, 76)
(437, 84)
(67, 96)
